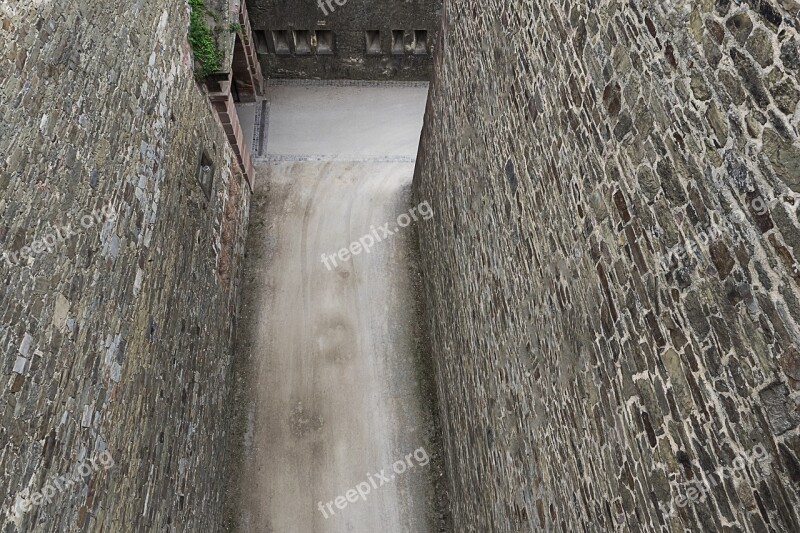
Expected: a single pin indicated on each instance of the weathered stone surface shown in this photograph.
(790, 53)
(126, 327)
(786, 96)
(760, 47)
(791, 363)
(740, 26)
(588, 391)
(776, 401)
(348, 20)
(785, 158)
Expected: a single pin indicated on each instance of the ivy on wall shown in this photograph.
(206, 53)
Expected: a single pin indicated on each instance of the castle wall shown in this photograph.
(348, 56)
(116, 341)
(612, 271)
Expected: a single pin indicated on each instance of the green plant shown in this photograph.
(203, 43)
(235, 27)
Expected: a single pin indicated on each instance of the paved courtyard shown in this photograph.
(341, 435)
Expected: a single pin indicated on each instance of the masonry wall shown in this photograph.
(348, 23)
(596, 368)
(117, 340)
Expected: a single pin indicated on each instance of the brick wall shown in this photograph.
(612, 272)
(118, 339)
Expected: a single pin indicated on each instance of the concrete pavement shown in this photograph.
(342, 430)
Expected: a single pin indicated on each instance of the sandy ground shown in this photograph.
(340, 390)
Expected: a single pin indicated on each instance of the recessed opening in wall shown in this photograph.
(302, 42)
(205, 173)
(235, 89)
(420, 41)
(261, 41)
(373, 39)
(280, 39)
(324, 42)
(398, 44)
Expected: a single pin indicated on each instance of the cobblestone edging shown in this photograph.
(344, 157)
(345, 83)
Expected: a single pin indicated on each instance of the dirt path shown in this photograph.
(342, 432)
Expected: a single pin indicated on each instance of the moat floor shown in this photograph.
(337, 398)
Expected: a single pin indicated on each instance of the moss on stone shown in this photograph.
(206, 52)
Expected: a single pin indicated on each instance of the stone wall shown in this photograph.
(612, 272)
(348, 24)
(118, 338)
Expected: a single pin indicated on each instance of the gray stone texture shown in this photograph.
(120, 338)
(348, 22)
(588, 376)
